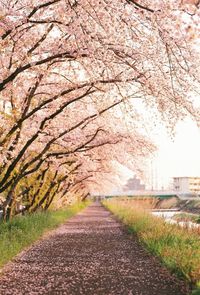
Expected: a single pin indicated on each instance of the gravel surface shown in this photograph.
(91, 254)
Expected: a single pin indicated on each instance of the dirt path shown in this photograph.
(90, 254)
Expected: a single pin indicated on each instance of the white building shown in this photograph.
(187, 185)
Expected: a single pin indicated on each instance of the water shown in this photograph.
(168, 216)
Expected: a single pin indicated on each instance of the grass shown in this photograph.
(178, 248)
(22, 231)
(197, 291)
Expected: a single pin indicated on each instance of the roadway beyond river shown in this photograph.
(90, 254)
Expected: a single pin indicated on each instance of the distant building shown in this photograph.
(187, 185)
(134, 184)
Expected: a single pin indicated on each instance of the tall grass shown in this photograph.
(22, 231)
(177, 248)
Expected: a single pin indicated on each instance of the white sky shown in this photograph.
(177, 157)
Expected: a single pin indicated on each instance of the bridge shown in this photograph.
(147, 193)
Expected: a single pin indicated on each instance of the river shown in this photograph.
(168, 217)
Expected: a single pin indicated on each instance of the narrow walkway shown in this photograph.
(91, 254)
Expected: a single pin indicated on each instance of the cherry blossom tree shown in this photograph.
(71, 72)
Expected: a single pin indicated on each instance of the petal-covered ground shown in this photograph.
(91, 254)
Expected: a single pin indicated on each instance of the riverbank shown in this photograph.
(177, 248)
(22, 231)
(190, 206)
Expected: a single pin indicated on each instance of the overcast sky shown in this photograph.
(180, 156)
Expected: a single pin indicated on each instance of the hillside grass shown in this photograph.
(178, 248)
(22, 231)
